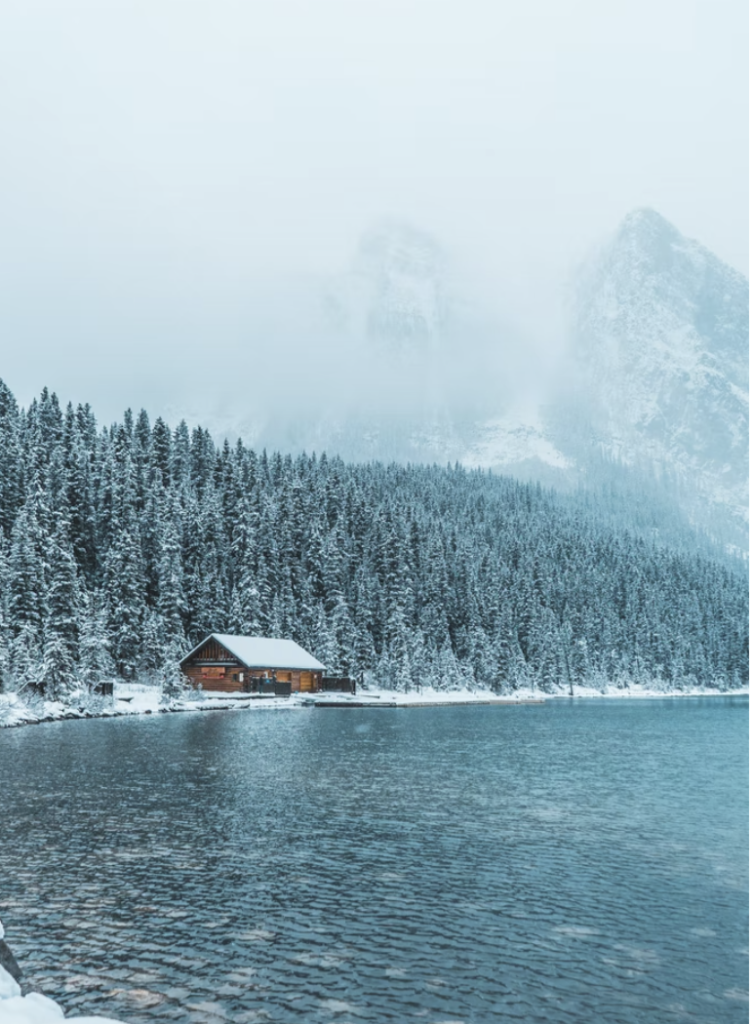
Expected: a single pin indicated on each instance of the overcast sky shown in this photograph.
(163, 161)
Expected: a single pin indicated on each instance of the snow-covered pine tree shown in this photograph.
(28, 571)
(171, 600)
(95, 661)
(124, 595)
(62, 616)
(477, 577)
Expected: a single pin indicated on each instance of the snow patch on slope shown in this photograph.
(516, 437)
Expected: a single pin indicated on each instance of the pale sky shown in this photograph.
(165, 161)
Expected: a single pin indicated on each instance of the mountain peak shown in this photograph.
(647, 255)
(646, 239)
(646, 220)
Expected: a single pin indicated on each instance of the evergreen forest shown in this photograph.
(122, 547)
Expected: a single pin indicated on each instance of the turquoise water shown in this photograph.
(571, 862)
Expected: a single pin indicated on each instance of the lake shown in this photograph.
(568, 862)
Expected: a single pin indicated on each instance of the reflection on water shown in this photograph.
(567, 862)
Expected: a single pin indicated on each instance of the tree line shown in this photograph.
(122, 547)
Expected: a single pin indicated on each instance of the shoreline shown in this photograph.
(137, 699)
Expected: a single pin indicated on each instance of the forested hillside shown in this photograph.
(122, 547)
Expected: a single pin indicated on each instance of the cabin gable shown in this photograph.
(212, 652)
(214, 667)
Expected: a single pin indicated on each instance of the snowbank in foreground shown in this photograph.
(35, 1008)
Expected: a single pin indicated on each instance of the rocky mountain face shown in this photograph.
(655, 388)
(660, 366)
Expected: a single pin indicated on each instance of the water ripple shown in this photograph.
(452, 865)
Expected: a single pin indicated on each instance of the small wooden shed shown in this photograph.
(230, 663)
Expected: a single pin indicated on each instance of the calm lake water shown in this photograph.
(569, 862)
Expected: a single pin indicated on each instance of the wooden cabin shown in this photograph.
(237, 663)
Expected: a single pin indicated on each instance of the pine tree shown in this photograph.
(11, 461)
(56, 678)
(26, 664)
(171, 603)
(174, 683)
(27, 572)
(151, 656)
(63, 610)
(95, 662)
(124, 591)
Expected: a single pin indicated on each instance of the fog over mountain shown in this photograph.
(181, 192)
(206, 237)
(388, 358)
(400, 360)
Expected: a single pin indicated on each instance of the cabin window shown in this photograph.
(235, 677)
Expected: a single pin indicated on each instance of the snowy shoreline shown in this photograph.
(145, 700)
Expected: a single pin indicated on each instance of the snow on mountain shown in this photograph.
(661, 356)
(406, 366)
(519, 438)
(656, 381)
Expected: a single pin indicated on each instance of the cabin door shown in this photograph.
(307, 681)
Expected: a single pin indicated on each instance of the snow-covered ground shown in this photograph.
(392, 698)
(417, 698)
(129, 699)
(135, 699)
(643, 693)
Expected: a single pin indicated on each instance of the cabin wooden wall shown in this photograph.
(226, 678)
(219, 678)
(299, 681)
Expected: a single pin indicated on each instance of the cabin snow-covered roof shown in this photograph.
(262, 652)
